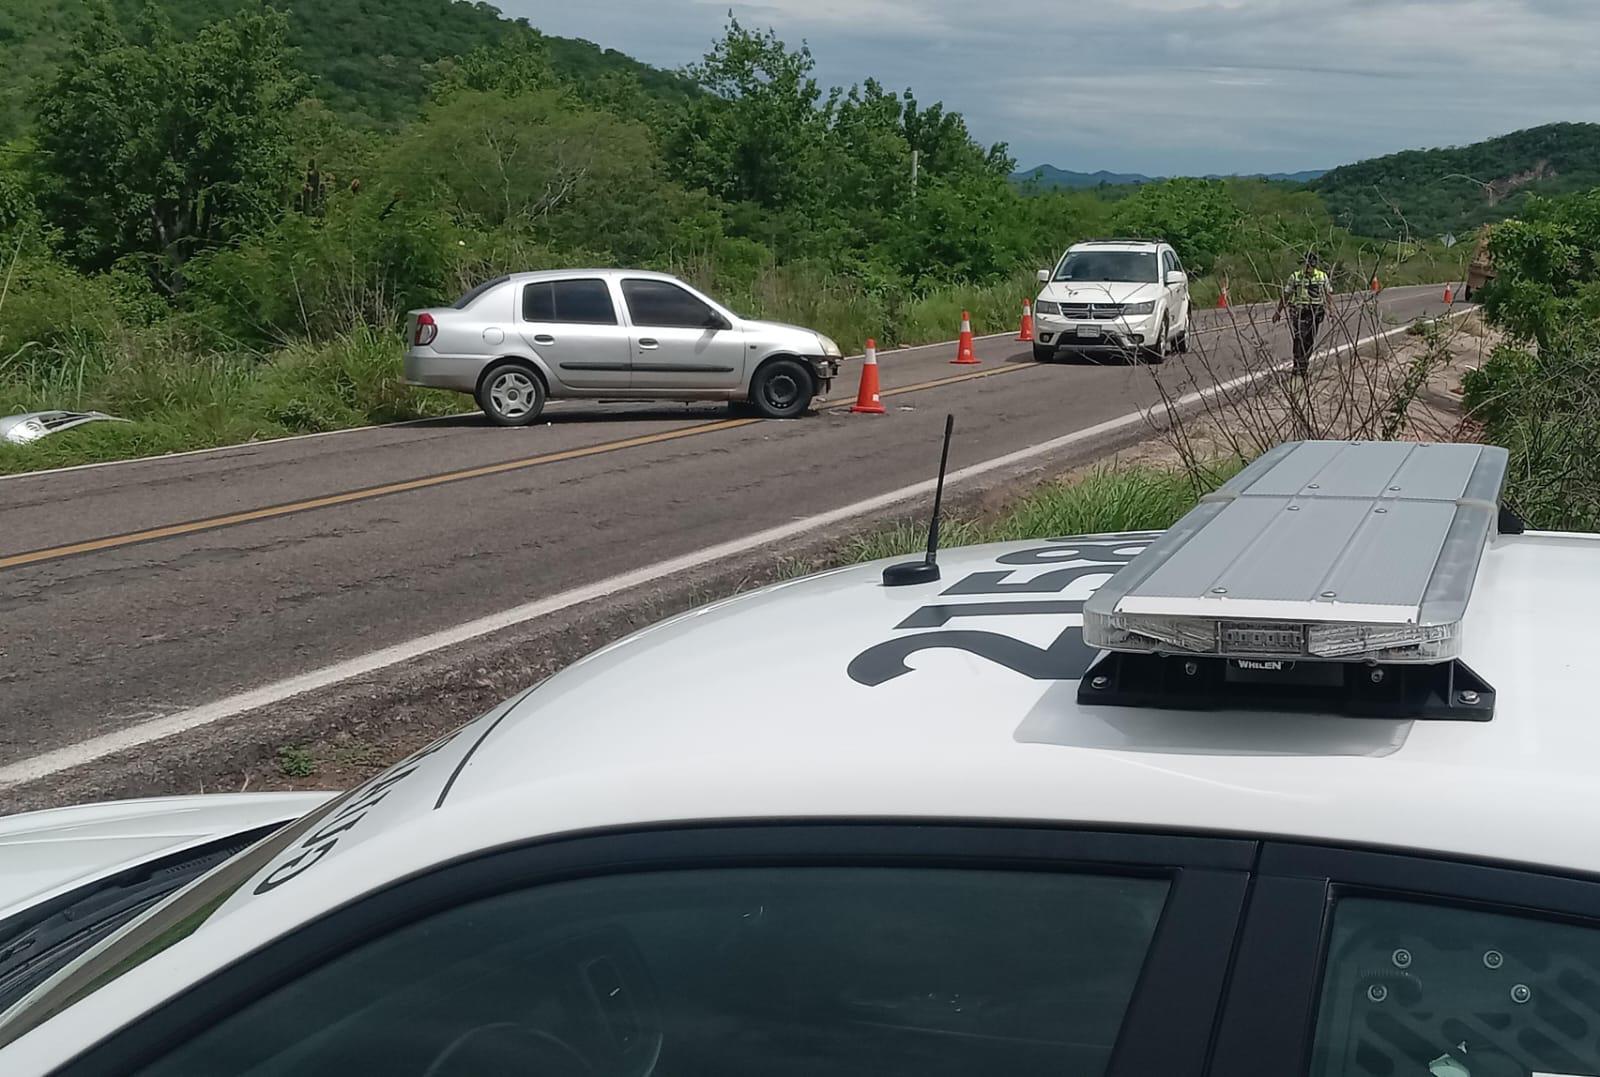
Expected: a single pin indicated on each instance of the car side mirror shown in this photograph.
(1044, 276)
(1176, 277)
(717, 321)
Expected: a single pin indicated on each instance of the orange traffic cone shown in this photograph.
(1449, 295)
(1026, 332)
(1377, 285)
(1222, 299)
(867, 401)
(964, 354)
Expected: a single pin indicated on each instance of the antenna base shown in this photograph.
(910, 572)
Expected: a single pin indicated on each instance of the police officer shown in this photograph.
(1309, 297)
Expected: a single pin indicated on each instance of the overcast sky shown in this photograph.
(1167, 86)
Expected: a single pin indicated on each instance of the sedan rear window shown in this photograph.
(580, 302)
(471, 297)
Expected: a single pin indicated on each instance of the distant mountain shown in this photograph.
(1049, 177)
(1285, 177)
(1431, 192)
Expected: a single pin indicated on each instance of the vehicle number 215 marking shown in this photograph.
(1065, 659)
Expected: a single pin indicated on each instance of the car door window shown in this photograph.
(712, 972)
(580, 302)
(660, 305)
(1412, 988)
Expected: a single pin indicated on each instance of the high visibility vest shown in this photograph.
(1307, 289)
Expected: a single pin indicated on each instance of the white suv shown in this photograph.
(1129, 296)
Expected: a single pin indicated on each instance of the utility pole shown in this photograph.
(916, 156)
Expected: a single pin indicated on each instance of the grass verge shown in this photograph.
(1105, 500)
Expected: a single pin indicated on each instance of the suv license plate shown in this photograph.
(1091, 331)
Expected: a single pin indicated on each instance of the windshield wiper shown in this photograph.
(40, 941)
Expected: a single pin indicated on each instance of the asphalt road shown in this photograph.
(132, 591)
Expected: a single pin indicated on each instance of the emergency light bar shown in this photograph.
(1319, 554)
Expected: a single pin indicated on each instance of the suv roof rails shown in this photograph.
(1328, 576)
(1121, 239)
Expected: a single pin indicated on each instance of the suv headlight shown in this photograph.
(829, 348)
(1136, 309)
(1044, 306)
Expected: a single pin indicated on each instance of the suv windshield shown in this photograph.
(1130, 266)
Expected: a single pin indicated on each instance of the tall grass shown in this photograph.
(179, 396)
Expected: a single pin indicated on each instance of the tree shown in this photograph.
(757, 137)
(160, 148)
(1198, 217)
(536, 164)
(1547, 268)
(518, 64)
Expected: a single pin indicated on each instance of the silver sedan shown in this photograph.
(611, 334)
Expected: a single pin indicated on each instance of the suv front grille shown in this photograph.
(1092, 311)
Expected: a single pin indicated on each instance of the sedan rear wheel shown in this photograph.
(511, 395)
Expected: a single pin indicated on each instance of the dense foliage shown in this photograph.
(1539, 393)
(372, 63)
(1432, 192)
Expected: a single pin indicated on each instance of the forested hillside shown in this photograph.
(215, 226)
(1431, 192)
(372, 61)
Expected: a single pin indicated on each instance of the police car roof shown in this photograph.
(834, 697)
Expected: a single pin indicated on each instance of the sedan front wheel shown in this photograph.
(782, 389)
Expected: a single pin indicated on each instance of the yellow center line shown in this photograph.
(210, 523)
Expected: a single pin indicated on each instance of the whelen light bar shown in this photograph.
(1319, 552)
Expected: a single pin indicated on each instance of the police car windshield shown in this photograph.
(162, 926)
(1121, 266)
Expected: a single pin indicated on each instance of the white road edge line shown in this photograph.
(96, 748)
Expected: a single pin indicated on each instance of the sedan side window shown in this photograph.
(658, 304)
(1457, 992)
(720, 973)
(581, 302)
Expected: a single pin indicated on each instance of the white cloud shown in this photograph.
(1168, 85)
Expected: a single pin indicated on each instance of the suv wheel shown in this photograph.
(511, 395)
(1043, 353)
(782, 389)
(1181, 345)
(1158, 353)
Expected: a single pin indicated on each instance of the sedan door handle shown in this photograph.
(544, 338)
(649, 342)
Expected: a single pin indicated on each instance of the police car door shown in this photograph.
(1357, 963)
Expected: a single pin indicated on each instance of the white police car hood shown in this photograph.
(47, 853)
(1100, 292)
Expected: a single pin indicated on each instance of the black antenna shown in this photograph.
(926, 570)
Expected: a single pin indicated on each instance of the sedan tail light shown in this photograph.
(427, 329)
